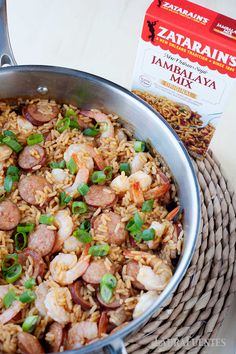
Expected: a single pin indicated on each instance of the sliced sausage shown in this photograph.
(77, 297)
(40, 113)
(42, 240)
(32, 156)
(56, 330)
(39, 265)
(96, 270)
(132, 269)
(111, 305)
(100, 196)
(29, 344)
(29, 185)
(9, 215)
(114, 231)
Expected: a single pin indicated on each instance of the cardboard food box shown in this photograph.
(185, 67)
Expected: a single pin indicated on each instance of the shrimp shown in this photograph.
(66, 268)
(41, 293)
(81, 177)
(59, 175)
(142, 178)
(120, 184)
(72, 244)
(81, 155)
(80, 333)
(155, 275)
(138, 162)
(157, 192)
(145, 301)
(65, 225)
(25, 125)
(5, 152)
(159, 228)
(58, 304)
(11, 312)
(137, 193)
(102, 118)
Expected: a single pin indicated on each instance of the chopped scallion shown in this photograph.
(139, 146)
(46, 219)
(79, 208)
(35, 139)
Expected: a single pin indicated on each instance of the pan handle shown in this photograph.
(6, 54)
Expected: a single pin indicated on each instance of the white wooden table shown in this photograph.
(101, 37)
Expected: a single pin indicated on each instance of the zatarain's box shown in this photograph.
(185, 67)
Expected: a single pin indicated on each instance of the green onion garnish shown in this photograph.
(98, 177)
(99, 250)
(13, 144)
(139, 146)
(20, 241)
(134, 225)
(25, 228)
(60, 164)
(148, 205)
(9, 133)
(109, 280)
(30, 323)
(27, 296)
(108, 172)
(106, 293)
(35, 139)
(85, 225)
(9, 261)
(125, 167)
(70, 113)
(137, 220)
(83, 189)
(83, 236)
(29, 283)
(79, 208)
(92, 131)
(148, 234)
(71, 165)
(9, 298)
(14, 172)
(13, 273)
(63, 124)
(8, 183)
(64, 198)
(137, 236)
(46, 219)
(74, 124)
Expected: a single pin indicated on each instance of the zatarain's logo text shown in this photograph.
(185, 12)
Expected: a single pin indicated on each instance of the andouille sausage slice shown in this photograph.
(100, 196)
(38, 263)
(40, 112)
(42, 239)
(32, 156)
(9, 215)
(29, 185)
(29, 344)
(57, 332)
(76, 295)
(115, 232)
(96, 270)
(132, 269)
(111, 305)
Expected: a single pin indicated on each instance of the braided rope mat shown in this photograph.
(197, 308)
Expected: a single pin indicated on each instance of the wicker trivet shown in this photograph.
(196, 310)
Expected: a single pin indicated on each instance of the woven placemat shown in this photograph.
(193, 315)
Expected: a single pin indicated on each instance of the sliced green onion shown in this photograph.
(83, 189)
(79, 208)
(98, 177)
(138, 221)
(83, 236)
(91, 131)
(108, 172)
(13, 144)
(27, 296)
(148, 234)
(109, 280)
(103, 126)
(125, 167)
(64, 198)
(148, 205)
(63, 124)
(99, 250)
(25, 228)
(139, 146)
(85, 225)
(29, 283)
(14, 172)
(35, 139)
(70, 113)
(134, 225)
(74, 124)
(9, 133)
(9, 261)
(60, 164)
(8, 183)
(13, 273)
(20, 241)
(71, 165)
(9, 298)
(30, 323)
(46, 219)
(137, 236)
(106, 293)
